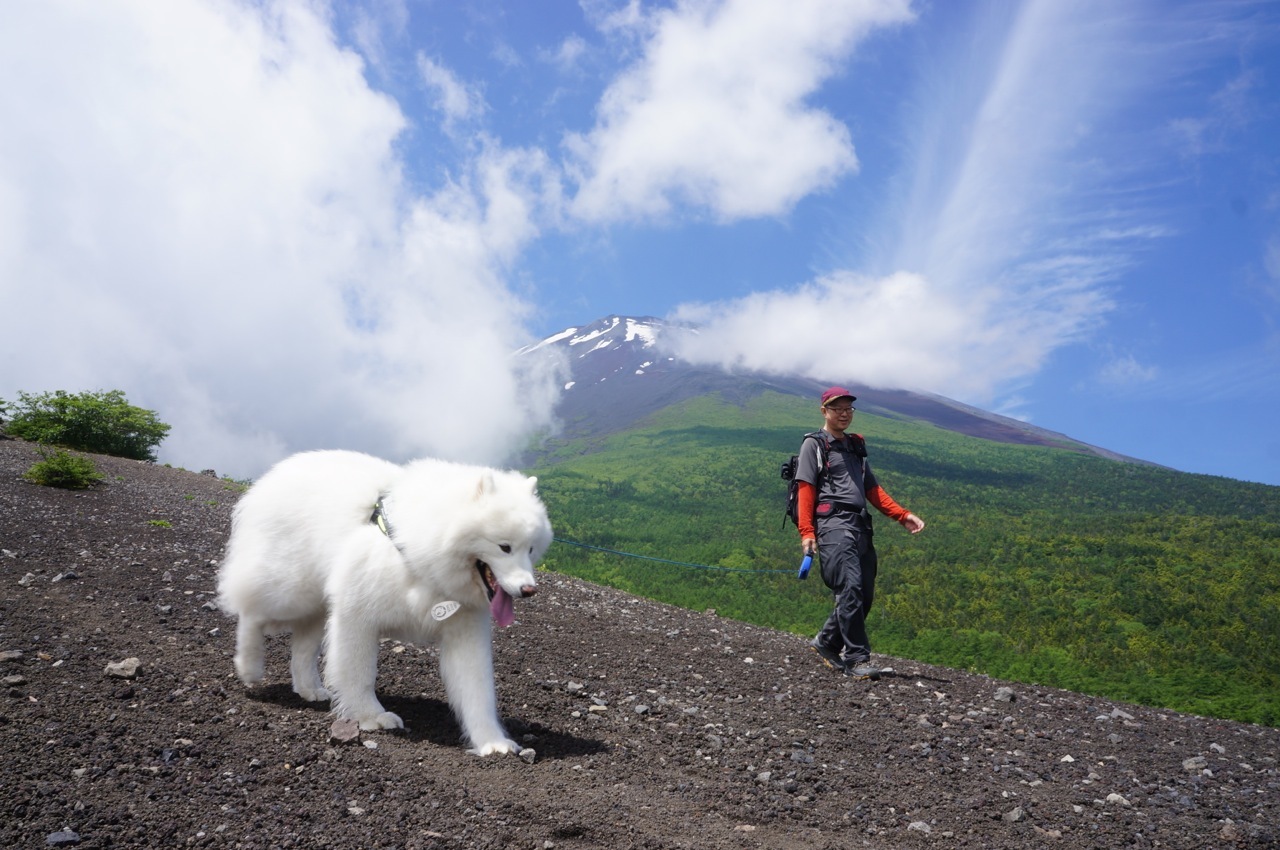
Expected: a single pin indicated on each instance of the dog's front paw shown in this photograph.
(385, 720)
(316, 694)
(250, 673)
(504, 745)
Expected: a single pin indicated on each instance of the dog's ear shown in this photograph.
(485, 485)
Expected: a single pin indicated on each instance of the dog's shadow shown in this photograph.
(430, 720)
(282, 694)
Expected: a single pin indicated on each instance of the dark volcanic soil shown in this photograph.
(654, 727)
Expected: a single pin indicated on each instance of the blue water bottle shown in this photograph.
(805, 565)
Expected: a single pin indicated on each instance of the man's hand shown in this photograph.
(913, 523)
(810, 546)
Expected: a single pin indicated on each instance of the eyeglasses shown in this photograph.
(841, 410)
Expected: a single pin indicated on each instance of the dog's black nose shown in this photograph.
(528, 590)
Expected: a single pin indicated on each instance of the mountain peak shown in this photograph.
(605, 333)
(622, 369)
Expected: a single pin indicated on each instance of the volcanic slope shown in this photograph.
(653, 726)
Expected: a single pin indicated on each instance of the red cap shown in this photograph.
(834, 393)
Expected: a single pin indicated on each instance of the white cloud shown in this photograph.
(715, 114)
(202, 205)
(1271, 260)
(897, 331)
(1126, 371)
(455, 100)
(1228, 110)
(571, 50)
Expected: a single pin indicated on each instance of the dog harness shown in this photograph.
(379, 518)
(441, 610)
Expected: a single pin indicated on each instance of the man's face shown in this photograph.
(838, 414)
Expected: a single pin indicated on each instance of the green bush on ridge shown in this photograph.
(101, 422)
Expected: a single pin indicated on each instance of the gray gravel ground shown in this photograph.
(654, 727)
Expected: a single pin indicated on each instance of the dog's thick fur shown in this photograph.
(305, 557)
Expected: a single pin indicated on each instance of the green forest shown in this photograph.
(1040, 565)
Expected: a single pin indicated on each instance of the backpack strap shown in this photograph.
(823, 453)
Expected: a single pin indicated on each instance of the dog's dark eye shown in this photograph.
(505, 548)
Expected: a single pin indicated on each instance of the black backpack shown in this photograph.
(792, 509)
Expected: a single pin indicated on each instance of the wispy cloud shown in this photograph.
(456, 100)
(1125, 372)
(1020, 203)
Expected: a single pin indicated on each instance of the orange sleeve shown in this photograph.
(805, 498)
(885, 504)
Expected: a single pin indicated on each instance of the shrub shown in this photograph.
(102, 422)
(63, 469)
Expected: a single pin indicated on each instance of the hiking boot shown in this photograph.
(863, 669)
(829, 657)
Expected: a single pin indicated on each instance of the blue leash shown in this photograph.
(661, 560)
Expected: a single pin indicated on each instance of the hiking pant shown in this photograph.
(848, 561)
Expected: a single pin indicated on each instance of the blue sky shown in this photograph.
(291, 225)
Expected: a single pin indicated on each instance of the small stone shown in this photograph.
(641, 709)
(1117, 714)
(920, 826)
(62, 838)
(1195, 763)
(127, 669)
(26, 580)
(1118, 800)
(1015, 815)
(11, 656)
(344, 731)
(1006, 695)
(14, 681)
(370, 745)
(528, 755)
(1066, 759)
(1218, 748)
(67, 576)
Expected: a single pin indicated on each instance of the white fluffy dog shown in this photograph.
(343, 549)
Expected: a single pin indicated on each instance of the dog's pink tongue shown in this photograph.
(504, 612)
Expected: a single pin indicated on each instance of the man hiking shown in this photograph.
(836, 486)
